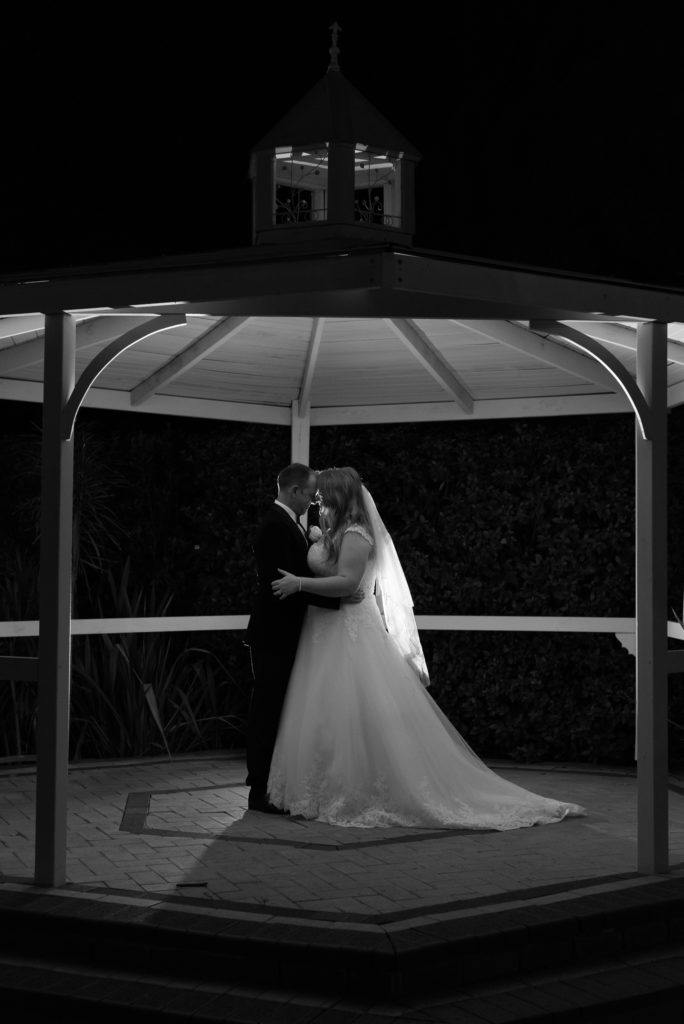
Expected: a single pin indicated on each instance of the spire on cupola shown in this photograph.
(333, 168)
(334, 50)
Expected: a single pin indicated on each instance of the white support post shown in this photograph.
(301, 429)
(54, 668)
(651, 605)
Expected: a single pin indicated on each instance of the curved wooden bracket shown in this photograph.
(105, 357)
(641, 408)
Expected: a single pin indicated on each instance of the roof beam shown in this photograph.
(484, 409)
(198, 349)
(29, 323)
(530, 289)
(12, 326)
(281, 415)
(91, 331)
(310, 364)
(199, 280)
(546, 350)
(623, 337)
(431, 360)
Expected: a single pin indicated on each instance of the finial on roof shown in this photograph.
(334, 50)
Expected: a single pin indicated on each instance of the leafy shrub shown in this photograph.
(523, 517)
(133, 694)
(144, 693)
(18, 603)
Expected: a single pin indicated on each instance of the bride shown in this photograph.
(361, 742)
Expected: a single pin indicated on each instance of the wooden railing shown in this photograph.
(25, 668)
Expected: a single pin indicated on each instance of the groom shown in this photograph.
(274, 626)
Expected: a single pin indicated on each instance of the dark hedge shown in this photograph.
(522, 517)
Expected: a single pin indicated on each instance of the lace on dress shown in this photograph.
(358, 528)
(355, 616)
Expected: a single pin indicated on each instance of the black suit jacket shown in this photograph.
(279, 543)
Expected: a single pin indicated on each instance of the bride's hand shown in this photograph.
(288, 585)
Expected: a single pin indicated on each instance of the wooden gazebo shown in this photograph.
(332, 317)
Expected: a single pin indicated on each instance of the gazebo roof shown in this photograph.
(334, 326)
(353, 335)
(335, 111)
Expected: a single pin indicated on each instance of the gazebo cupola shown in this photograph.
(333, 169)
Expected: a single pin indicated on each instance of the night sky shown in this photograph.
(549, 133)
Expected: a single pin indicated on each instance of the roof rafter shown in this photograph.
(311, 360)
(546, 350)
(192, 354)
(431, 360)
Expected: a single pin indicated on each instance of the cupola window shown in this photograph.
(301, 185)
(377, 187)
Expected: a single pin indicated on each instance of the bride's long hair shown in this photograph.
(342, 505)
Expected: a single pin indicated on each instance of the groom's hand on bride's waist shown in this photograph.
(354, 598)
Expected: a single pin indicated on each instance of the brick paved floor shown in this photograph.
(156, 836)
(181, 829)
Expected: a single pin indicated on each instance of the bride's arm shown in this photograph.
(351, 566)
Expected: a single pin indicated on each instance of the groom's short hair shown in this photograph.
(297, 473)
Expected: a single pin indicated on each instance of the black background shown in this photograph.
(550, 135)
(549, 132)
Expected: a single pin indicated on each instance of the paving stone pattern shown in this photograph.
(182, 829)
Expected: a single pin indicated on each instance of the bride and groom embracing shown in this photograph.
(341, 726)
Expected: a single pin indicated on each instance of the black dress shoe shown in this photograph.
(262, 803)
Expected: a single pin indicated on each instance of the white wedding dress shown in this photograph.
(361, 742)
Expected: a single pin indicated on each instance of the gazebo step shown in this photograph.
(41, 994)
(341, 956)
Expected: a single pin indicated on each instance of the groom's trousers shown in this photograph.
(271, 671)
